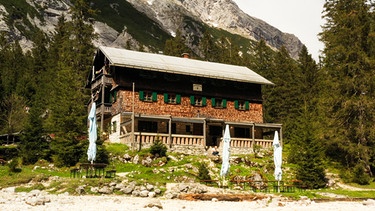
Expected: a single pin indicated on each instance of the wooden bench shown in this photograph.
(110, 173)
(75, 172)
(206, 182)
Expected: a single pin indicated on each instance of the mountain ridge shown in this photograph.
(166, 17)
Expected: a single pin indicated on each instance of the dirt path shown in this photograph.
(348, 187)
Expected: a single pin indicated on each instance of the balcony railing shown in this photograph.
(189, 140)
(107, 79)
(107, 108)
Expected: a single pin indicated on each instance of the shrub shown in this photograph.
(203, 173)
(360, 176)
(14, 165)
(158, 149)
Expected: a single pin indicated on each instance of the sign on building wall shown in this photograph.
(197, 87)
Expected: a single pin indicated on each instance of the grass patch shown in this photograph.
(177, 168)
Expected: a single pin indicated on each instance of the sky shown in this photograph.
(303, 18)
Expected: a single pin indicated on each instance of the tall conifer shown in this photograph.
(349, 62)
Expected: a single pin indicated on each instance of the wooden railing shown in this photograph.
(150, 138)
(107, 108)
(107, 80)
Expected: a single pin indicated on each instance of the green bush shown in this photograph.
(158, 149)
(66, 152)
(14, 165)
(203, 173)
(360, 176)
(8, 152)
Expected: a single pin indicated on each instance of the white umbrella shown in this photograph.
(226, 153)
(277, 158)
(91, 151)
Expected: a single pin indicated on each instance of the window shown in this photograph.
(114, 127)
(188, 128)
(113, 96)
(148, 96)
(219, 103)
(148, 126)
(198, 101)
(241, 105)
(240, 132)
(172, 98)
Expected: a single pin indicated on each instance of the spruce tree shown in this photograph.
(306, 146)
(282, 102)
(176, 46)
(72, 47)
(349, 63)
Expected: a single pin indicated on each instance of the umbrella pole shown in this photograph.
(278, 186)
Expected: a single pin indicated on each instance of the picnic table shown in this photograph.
(91, 170)
(265, 186)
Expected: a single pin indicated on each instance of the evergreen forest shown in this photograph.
(327, 107)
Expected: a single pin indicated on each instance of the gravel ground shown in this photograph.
(10, 200)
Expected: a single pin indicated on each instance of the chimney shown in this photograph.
(185, 55)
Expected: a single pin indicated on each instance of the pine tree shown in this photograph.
(176, 46)
(208, 47)
(34, 141)
(72, 47)
(349, 62)
(281, 102)
(306, 148)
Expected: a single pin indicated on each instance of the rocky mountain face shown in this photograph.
(169, 15)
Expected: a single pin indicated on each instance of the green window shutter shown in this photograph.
(178, 99)
(192, 100)
(154, 96)
(224, 103)
(166, 98)
(204, 101)
(114, 96)
(236, 104)
(247, 106)
(141, 95)
(213, 102)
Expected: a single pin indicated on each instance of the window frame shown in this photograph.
(172, 98)
(219, 103)
(242, 105)
(198, 101)
(148, 96)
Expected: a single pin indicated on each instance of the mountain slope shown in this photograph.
(145, 24)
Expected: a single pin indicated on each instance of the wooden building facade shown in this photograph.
(143, 97)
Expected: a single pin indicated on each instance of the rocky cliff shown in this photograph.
(168, 15)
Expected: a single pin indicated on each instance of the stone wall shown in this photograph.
(185, 109)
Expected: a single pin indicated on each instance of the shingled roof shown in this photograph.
(179, 65)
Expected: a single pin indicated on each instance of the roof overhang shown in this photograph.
(176, 65)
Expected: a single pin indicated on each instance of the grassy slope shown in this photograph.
(180, 168)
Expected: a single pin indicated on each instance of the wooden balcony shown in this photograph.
(106, 79)
(107, 108)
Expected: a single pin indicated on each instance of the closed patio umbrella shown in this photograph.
(226, 153)
(91, 151)
(277, 158)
